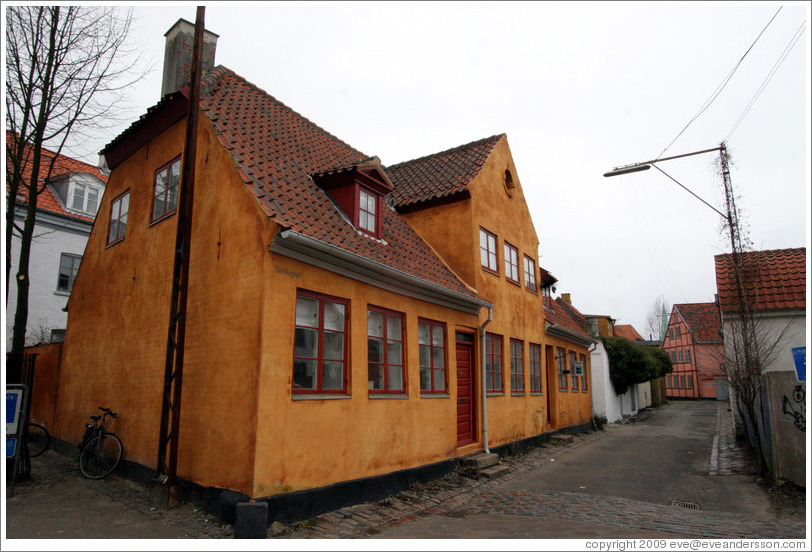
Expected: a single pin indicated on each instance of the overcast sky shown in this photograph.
(578, 88)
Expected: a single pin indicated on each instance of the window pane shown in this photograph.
(306, 343)
(483, 240)
(492, 260)
(122, 220)
(393, 327)
(307, 312)
(304, 374)
(396, 378)
(425, 355)
(439, 358)
(92, 200)
(437, 336)
(332, 374)
(423, 333)
(425, 379)
(375, 380)
(439, 380)
(174, 174)
(374, 324)
(334, 345)
(172, 198)
(395, 353)
(375, 350)
(333, 316)
(78, 197)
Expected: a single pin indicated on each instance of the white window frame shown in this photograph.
(86, 189)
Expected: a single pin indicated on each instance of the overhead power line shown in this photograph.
(721, 86)
(793, 41)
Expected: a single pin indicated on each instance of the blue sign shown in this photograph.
(14, 403)
(799, 354)
(11, 447)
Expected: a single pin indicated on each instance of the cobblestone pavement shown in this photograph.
(457, 496)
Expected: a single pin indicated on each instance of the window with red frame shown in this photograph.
(385, 351)
(573, 377)
(584, 379)
(529, 273)
(431, 340)
(493, 363)
(165, 192)
(511, 263)
(487, 250)
(320, 344)
(535, 368)
(118, 218)
(561, 364)
(516, 366)
(367, 212)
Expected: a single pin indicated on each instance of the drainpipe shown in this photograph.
(592, 387)
(484, 390)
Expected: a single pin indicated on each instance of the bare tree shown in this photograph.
(66, 69)
(657, 318)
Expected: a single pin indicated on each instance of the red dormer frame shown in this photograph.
(345, 185)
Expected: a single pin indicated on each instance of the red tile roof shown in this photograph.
(774, 279)
(627, 331)
(276, 151)
(703, 321)
(560, 313)
(440, 175)
(63, 164)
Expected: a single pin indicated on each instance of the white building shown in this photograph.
(66, 209)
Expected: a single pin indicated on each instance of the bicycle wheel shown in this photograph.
(100, 456)
(38, 439)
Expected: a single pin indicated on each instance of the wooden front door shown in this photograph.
(465, 389)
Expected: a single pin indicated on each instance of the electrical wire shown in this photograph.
(721, 86)
(793, 41)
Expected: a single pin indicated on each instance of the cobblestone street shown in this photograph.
(58, 503)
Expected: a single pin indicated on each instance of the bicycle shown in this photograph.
(100, 449)
(38, 439)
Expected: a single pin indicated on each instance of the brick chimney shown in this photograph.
(178, 55)
(566, 298)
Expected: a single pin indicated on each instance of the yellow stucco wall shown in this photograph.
(114, 351)
(570, 407)
(314, 442)
(517, 313)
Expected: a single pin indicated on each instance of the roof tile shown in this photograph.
(281, 149)
(703, 321)
(775, 279)
(441, 174)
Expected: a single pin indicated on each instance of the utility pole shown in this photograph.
(164, 491)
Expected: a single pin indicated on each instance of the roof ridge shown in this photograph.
(221, 71)
(495, 138)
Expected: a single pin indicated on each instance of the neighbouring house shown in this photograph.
(775, 288)
(693, 341)
(66, 208)
(346, 320)
(627, 331)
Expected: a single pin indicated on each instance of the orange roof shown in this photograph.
(63, 165)
(559, 313)
(277, 152)
(440, 175)
(627, 331)
(774, 279)
(703, 321)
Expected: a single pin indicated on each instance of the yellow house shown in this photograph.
(339, 311)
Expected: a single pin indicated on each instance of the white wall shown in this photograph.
(769, 327)
(605, 402)
(52, 237)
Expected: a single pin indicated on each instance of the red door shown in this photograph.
(465, 389)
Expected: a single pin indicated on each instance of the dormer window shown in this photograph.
(84, 199)
(358, 190)
(368, 207)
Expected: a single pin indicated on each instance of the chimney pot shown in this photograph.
(178, 55)
(566, 298)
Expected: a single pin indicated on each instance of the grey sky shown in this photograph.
(578, 88)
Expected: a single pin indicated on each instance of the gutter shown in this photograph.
(484, 390)
(309, 250)
(564, 333)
